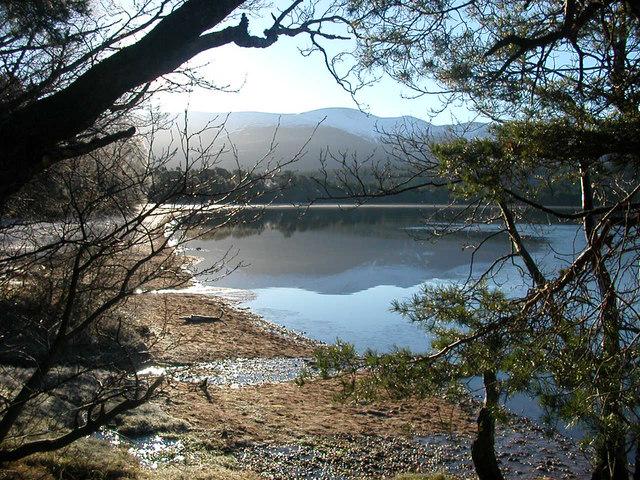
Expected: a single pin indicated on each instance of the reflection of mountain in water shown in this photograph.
(337, 251)
(421, 221)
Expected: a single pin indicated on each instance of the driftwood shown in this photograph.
(203, 318)
(204, 386)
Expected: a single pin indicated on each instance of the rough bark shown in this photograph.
(636, 473)
(611, 462)
(483, 447)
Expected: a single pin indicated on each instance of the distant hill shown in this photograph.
(340, 130)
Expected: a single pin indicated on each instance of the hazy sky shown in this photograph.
(279, 79)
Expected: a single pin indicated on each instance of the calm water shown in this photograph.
(333, 273)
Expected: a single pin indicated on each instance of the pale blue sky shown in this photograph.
(279, 79)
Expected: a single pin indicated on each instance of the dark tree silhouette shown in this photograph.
(51, 110)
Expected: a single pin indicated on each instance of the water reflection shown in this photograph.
(333, 273)
(333, 251)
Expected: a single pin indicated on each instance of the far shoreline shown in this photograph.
(347, 206)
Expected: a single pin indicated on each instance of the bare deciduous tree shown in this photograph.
(70, 344)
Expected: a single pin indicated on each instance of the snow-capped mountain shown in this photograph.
(349, 120)
(338, 130)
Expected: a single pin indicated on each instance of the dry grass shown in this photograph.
(149, 419)
(286, 412)
(201, 472)
(86, 459)
(238, 333)
(91, 459)
(270, 412)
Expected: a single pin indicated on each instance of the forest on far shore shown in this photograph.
(304, 187)
(214, 183)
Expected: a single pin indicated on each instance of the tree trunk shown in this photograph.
(483, 447)
(636, 473)
(611, 462)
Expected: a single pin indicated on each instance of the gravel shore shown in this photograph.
(522, 454)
